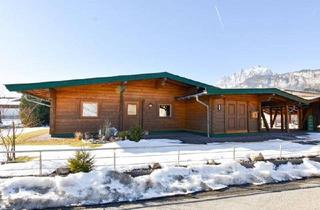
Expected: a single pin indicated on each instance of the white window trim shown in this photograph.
(89, 102)
(170, 105)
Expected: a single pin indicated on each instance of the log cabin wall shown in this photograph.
(68, 107)
(196, 115)
(220, 119)
(151, 94)
(147, 94)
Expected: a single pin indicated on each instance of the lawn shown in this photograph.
(42, 137)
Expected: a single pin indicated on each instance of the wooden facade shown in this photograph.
(162, 102)
(113, 101)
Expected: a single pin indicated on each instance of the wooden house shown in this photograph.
(161, 102)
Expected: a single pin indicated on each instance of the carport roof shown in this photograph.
(257, 91)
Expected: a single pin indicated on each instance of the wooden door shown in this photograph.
(236, 116)
(132, 114)
(231, 116)
(242, 116)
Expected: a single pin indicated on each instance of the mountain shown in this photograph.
(263, 77)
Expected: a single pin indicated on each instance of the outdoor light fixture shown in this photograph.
(150, 105)
(219, 107)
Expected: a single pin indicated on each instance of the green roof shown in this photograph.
(99, 80)
(256, 91)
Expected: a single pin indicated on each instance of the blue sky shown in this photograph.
(52, 40)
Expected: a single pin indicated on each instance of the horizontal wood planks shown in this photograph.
(68, 105)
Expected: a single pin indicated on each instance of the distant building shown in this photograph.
(9, 110)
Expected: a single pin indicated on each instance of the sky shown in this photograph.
(200, 39)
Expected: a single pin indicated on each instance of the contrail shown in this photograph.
(219, 17)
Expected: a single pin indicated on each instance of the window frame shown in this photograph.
(166, 104)
(127, 107)
(89, 102)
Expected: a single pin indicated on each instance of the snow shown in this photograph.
(262, 77)
(164, 151)
(107, 186)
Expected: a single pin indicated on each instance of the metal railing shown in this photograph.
(125, 158)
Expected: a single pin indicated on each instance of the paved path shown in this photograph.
(192, 138)
(304, 194)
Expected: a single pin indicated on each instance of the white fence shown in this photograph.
(124, 158)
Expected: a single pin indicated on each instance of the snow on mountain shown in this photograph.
(262, 77)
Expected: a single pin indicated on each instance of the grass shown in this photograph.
(59, 141)
(40, 137)
(23, 159)
(31, 135)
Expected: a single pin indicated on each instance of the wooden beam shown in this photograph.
(274, 119)
(282, 121)
(52, 122)
(122, 89)
(259, 116)
(265, 121)
(300, 124)
(270, 117)
(286, 118)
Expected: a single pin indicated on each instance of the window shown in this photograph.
(89, 109)
(132, 109)
(165, 110)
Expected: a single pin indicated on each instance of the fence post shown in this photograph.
(114, 159)
(40, 163)
(234, 153)
(178, 156)
(280, 155)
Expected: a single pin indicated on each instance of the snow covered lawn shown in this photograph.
(131, 154)
(109, 186)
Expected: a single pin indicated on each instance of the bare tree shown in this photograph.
(10, 132)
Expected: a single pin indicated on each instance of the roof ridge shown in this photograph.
(99, 80)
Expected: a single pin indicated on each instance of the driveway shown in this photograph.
(303, 194)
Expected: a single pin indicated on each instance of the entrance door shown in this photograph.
(236, 117)
(242, 116)
(131, 116)
(231, 116)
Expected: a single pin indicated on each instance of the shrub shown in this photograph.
(123, 135)
(81, 162)
(135, 134)
(33, 115)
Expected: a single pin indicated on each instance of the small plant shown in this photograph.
(123, 135)
(81, 162)
(107, 132)
(135, 134)
(78, 135)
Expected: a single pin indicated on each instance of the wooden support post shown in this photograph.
(282, 121)
(259, 116)
(300, 118)
(274, 118)
(52, 122)
(270, 117)
(287, 118)
(265, 121)
(122, 88)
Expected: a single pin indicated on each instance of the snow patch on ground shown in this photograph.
(164, 151)
(110, 186)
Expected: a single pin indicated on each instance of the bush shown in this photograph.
(33, 115)
(123, 135)
(135, 134)
(81, 162)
